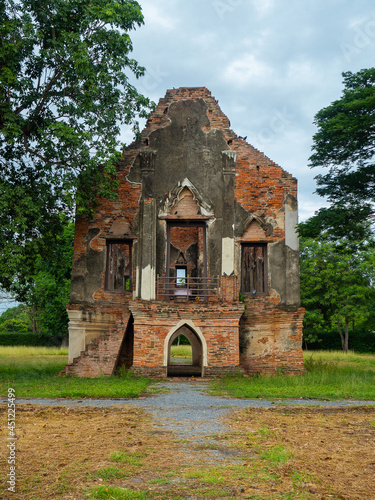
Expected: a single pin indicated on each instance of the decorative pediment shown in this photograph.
(120, 228)
(181, 261)
(184, 202)
(255, 230)
(186, 206)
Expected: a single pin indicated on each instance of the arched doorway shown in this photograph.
(125, 355)
(186, 368)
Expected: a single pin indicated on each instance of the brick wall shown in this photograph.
(218, 323)
(271, 336)
(100, 356)
(183, 237)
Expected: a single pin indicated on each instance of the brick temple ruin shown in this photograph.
(199, 242)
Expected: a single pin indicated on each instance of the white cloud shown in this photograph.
(264, 7)
(271, 64)
(247, 69)
(158, 16)
(308, 206)
(302, 73)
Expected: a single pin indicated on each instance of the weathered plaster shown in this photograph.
(227, 256)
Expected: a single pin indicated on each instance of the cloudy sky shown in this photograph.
(272, 64)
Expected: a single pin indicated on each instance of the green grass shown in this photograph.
(22, 350)
(329, 375)
(361, 361)
(181, 351)
(33, 373)
(122, 456)
(113, 493)
(160, 481)
(277, 455)
(109, 473)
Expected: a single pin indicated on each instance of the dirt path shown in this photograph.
(190, 446)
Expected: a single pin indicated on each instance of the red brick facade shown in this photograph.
(191, 194)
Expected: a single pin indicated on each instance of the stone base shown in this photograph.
(155, 372)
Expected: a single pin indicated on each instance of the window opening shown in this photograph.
(254, 269)
(119, 266)
(181, 275)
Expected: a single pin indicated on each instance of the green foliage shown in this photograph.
(362, 340)
(15, 328)
(337, 287)
(48, 293)
(345, 128)
(64, 94)
(181, 340)
(24, 339)
(46, 296)
(15, 320)
(344, 143)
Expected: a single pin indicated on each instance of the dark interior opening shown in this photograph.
(125, 356)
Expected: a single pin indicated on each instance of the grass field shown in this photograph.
(181, 351)
(329, 375)
(120, 453)
(33, 372)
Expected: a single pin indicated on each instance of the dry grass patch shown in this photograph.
(331, 449)
(120, 453)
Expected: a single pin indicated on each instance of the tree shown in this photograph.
(345, 144)
(64, 94)
(47, 295)
(15, 320)
(49, 290)
(337, 286)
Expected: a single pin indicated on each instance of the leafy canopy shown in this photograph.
(337, 286)
(49, 290)
(345, 144)
(64, 94)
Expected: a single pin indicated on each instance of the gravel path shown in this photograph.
(186, 409)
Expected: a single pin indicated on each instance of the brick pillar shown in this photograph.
(229, 291)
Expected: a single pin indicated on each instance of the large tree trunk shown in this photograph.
(32, 313)
(344, 336)
(346, 339)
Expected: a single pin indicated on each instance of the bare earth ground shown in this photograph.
(284, 452)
